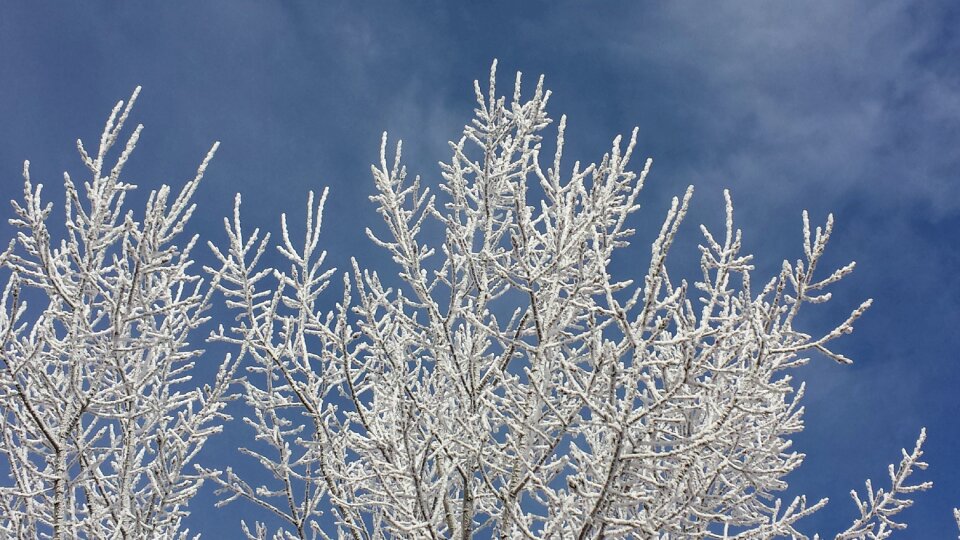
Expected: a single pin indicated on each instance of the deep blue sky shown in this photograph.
(844, 107)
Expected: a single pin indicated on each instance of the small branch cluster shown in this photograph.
(293, 350)
(878, 510)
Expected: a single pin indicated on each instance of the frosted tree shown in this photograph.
(506, 384)
(98, 418)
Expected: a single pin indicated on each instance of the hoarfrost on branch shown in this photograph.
(504, 384)
(507, 384)
(99, 424)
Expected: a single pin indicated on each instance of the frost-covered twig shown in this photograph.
(877, 511)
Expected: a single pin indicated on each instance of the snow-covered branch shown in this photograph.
(877, 512)
(100, 424)
(506, 384)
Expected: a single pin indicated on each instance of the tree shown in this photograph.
(506, 384)
(99, 423)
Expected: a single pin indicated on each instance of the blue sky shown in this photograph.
(844, 107)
